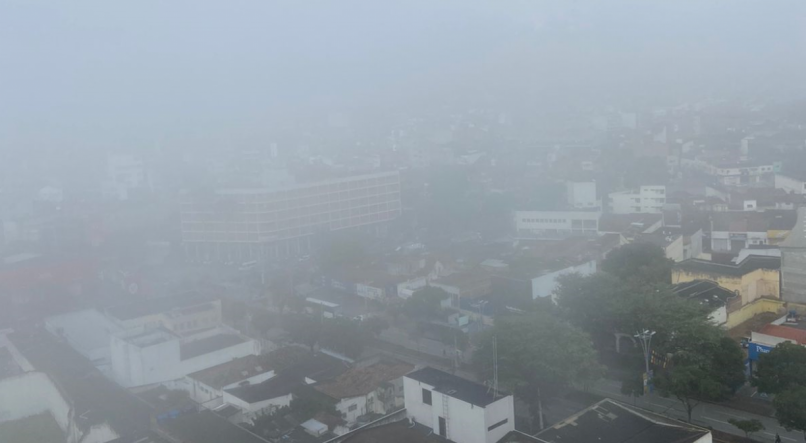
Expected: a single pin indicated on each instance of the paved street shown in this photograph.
(706, 414)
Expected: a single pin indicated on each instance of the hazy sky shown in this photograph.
(121, 73)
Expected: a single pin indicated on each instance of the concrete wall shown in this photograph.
(253, 409)
(793, 270)
(135, 366)
(466, 423)
(751, 286)
(503, 408)
(789, 184)
(415, 408)
(359, 404)
(750, 310)
(33, 393)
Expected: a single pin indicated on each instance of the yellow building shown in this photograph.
(753, 278)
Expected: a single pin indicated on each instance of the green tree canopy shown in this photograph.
(790, 409)
(537, 352)
(749, 427)
(641, 263)
(711, 372)
(783, 368)
(425, 303)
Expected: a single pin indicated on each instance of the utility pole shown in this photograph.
(645, 337)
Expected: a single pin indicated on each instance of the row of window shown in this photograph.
(544, 220)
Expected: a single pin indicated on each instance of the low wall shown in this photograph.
(752, 309)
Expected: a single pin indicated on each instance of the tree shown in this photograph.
(750, 426)
(641, 263)
(425, 303)
(303, 329)
(690, 384)
(783, 368)
(790, 409)
(343, 335)
(632, 384)
(537, 353)
(375, 325)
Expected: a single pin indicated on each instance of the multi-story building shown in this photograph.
(457, 409)
(556, 224)
(581, 195)
(646, 199)
(240, 225)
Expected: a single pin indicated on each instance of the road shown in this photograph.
(706, 414)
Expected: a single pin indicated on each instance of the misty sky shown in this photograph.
(123, 73)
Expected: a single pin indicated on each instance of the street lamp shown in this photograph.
(645, 337)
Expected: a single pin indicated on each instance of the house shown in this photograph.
(373, 389)
(609, 421)
(465, 285)
(708, 294)
(144, 356)
(278, 391)
(208, 385)
(556, 224)
(457, 409)
(645, 199)
(183, 314)
(538, 278)
(754, 277)
(732, 231)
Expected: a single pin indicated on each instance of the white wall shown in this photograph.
(466, 423)
(790, 184)
(503, 408)
(252, 409)
(581, 194)
(33, 393)
(545, 285)
(719, 316)
(646, 199)
(415, 408)
(134, 366)
(556, 224)
(360, 403)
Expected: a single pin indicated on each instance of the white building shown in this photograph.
(790, 184)
(646, 199)
(457, 409)
(373, 389)
(148, 356)
(556, 224)
(124, 174)
(582, 195)
(208, 385)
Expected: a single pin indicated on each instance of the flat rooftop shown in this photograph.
(142, 308)
(40, 428)
(456, 387)
(207, 345)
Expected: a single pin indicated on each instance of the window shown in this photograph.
(499, 424)
(352, 408)
(426, 396)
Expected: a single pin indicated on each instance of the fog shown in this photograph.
(107, 74)
(415, 221)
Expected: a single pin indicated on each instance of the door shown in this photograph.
(442, 430)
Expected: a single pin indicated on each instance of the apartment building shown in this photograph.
(241, 225)
(646, 199)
